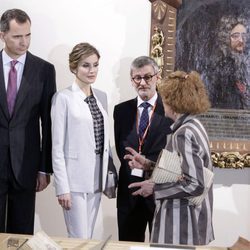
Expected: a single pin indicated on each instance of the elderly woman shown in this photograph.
(177, 220)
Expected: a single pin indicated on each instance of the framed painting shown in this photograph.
(211, 37)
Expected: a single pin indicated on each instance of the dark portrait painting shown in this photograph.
(213, 38)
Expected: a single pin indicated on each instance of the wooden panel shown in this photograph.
(163, 33)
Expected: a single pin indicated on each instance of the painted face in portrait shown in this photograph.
(144, 81)
(238, 37)
(87, 70)
(16, 39)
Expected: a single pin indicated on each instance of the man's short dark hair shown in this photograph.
(19, 15)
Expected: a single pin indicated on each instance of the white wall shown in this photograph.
(120, 29)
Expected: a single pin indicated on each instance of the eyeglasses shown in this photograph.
(237, 35)
(146, 78)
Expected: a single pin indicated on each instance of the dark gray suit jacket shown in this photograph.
(126, 135)
(27, 134)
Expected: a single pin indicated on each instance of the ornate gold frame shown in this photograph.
(225, 154)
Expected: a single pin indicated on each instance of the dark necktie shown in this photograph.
(12, 87)
(144, 120)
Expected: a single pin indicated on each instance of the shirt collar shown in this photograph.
(7, 59)
(150, 101)
(181, 120)
(76, 88)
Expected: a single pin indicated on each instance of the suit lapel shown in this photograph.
(3, 96)
(158, 114)
(28, 74)
(133, 139)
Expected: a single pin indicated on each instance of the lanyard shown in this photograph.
(141, 140)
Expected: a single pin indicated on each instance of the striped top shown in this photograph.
(178, 221)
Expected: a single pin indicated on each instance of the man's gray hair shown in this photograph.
(142, 61)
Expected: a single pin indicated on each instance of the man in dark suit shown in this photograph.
(27, 84)
(136, 212)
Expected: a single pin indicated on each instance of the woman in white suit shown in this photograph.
(80, 147)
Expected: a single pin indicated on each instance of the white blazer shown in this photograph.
(73, 141)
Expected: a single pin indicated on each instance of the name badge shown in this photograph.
(137, 172)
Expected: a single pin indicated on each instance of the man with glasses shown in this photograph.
(221, 51)
(231, 77)
(238, 38)
(227, 75)
(139, 123)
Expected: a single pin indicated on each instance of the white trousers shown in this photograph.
(80, 219)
